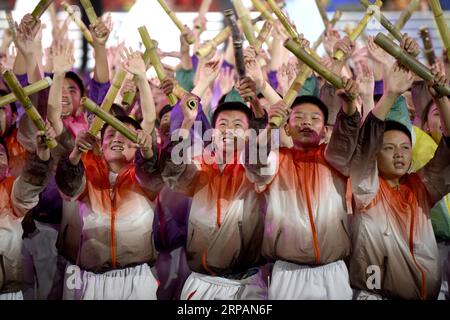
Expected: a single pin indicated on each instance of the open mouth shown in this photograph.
(306, 131)
(399, 165)
(117, 148)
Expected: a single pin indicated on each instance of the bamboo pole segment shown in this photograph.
(30, 109)
(180, 92)
(384, 21)
(360, 27)
(406, 14)
(11, 25)
(313, 63)
(90, 12)
(262, 36)
(175, 19)
(151, 46)
(261, 7)
(428, 49)
(336, 17)
(206, 48)
(323, 13)
(442, 25)
(237, 43)
(290, 29)
(292, 93)
(408, 61)
(40, 8)
(116, 84)
(244, 17)
(29, 90)
(75, 18)
(108, 118)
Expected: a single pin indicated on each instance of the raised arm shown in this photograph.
(436, 173)
(62, 56)
(180, 172)
(134, 64)
(343, 142)
(34, 177)
(70, 176)
(100, 33)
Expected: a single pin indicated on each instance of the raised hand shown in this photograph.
(209, 71)
(279, 110)
(410, 45)
(398, 80)
(133, 62)
(144, 143)
(349, 92)
(365, 79)
(247, 89)
(42, 150)
(26, 33)
(101, 30)
(330, 39)
(440, 79)
(62, 56)
(346, 46)
(60, 31)
(226, 80)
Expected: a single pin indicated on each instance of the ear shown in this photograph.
(286, 129)
(426, 128)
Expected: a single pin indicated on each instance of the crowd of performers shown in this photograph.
(347, 198)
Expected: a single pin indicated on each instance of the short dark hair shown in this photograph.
(231, 106)
(77, 79)
(391, 125)
(166, 109)
(315, 101)
(125, 120)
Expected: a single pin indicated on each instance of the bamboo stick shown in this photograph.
(442, 25)
(262, 36)
(408, 61)
(323, 13)
(90, 12)
(30, 109)
(428, 49)
(40, 8)
(206, 48)
(84, 30)
(313, 63)
(180, 92)
(151, 46)
(11, 25)
(384, 21)
(261, 7)
(292, 93)
(175, 20)
(244, 17)
(360, 27)
(336, 17)
(108, 118)
(237, 43)
(116, 84)
(406, 14)
(292, 32)
(29, 90)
